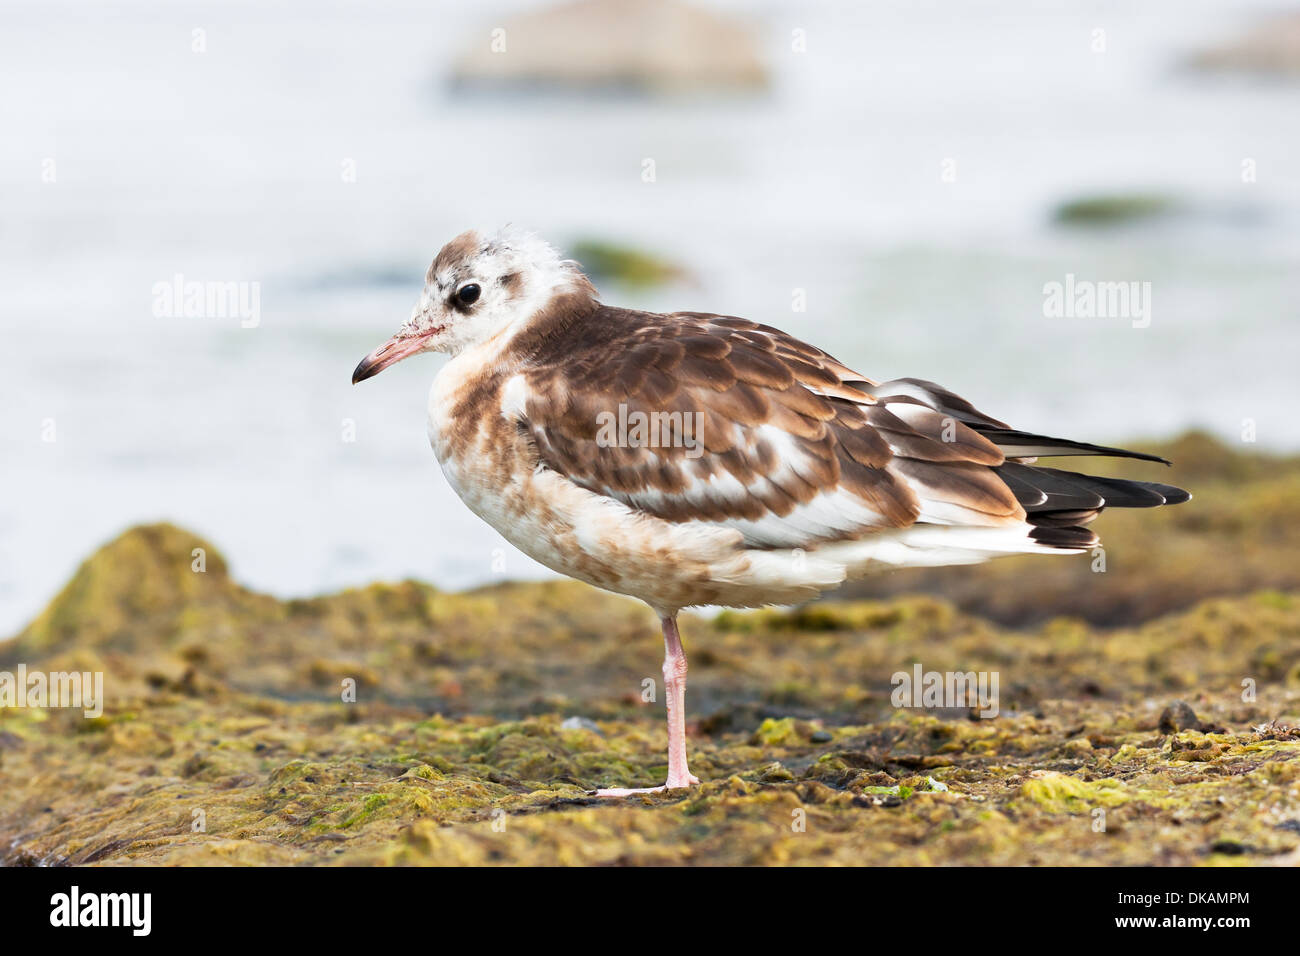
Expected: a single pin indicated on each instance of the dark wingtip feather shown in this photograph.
(1008, 438)
(1073, 500)
(1126, 453)
(1172, 495)
(1071, 537)
(1168, 494)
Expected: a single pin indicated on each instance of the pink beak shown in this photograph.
(390, 353)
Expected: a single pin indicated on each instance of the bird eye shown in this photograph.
(468, 294)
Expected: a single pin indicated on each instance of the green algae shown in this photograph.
(1111, 210)
(227, 737)
(1058, 793)
(606, 260)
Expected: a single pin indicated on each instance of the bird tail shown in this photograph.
(1059, 504)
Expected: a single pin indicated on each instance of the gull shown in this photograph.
(692, 459)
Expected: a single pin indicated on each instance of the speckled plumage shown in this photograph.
(769, 472)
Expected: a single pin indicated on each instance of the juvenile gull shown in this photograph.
(694, 459)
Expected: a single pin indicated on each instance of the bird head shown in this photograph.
(477, 288)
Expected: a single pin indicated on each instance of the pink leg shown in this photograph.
(679, 774)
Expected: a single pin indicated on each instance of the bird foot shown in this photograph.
(690, 781)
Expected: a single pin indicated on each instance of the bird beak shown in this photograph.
(390, 353)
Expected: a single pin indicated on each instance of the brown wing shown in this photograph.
(695, 417)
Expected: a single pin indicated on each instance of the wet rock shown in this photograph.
(1113, 210)
(775, 773)
(607, 260)
(1178, 716)
(581, 723)
(621, 46)
(1272, 48)
(1229, 847)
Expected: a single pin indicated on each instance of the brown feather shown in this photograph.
(746, 384)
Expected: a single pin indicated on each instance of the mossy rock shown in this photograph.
(1114, 210)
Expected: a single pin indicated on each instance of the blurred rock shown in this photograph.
(637, 46)
(581, 723)
(1178, 716)
(608, 261)
(1270, 49)
(1116, 209)
(151, 575)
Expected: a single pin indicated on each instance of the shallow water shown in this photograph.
(228, 165)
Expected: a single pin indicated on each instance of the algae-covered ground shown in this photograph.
(481, 720)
